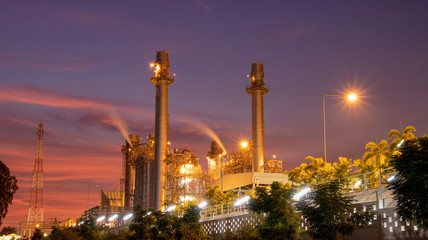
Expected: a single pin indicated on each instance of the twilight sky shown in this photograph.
(82, 68)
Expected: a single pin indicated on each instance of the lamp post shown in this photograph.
(351, 97)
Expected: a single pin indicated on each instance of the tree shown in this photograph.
(115, 234)
(8, 188)
(7, 231)
(330, 214)
(377, 154)
(281, 221)
(299, 175)
(189, 226)
(410, 186)
(215, 196)
(320, 170)
(141, 223)
(38, 234)
(399, 136)
(342, 169)
(64, 234)
(89, 231)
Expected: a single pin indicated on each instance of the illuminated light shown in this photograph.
(244, 144)
(352, 97)
(173, 74)
(45, 234)
(170, 208)
(224, 153)
(401, 143)
(358, 183)
(203, 204)
(169, 143)
(274, 156)
(101, 218)
(128, 216)
(82, 222)
(242, 200)
(74, 224)
(113, 217)
(391, 178)
(37, 225)
(148, 214)
(300, 194)
(248, 76)
(152, 64)
(189, 165)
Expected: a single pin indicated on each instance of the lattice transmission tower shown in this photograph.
(35, 212)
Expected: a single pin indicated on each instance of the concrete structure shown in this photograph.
(162, 81)
(248, 180)
(257, 90)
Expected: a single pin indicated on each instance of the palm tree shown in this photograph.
(399, 136)
(320, 171)
(299, 175)
(215, 196)
(342, 169)
(377, 154)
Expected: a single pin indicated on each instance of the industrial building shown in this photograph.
(155, 175)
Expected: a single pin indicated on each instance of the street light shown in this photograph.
(351, 97)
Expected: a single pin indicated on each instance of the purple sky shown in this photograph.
(78, 65)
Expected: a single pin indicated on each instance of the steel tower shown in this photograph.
(162, 81)
(257, 90)
(35, 212)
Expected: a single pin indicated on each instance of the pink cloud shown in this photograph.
(300, 31)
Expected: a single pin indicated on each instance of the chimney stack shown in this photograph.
(257, 90)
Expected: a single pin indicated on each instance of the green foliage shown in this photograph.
(405, 135)
(8, 188)
(330, 214)
(214, 196)
(89, 231)
(248, 232)
(115, 234)
(38, 234)
(410, 186)
(64, 234)
(159, 225)
(376, 157)
(281, 221)
(142, 223)
(7, 231)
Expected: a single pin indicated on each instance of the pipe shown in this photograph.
(257, 90)
(162, 81)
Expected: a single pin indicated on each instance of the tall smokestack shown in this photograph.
(162, 81)
(257, 91)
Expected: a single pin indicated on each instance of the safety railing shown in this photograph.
(371, 180)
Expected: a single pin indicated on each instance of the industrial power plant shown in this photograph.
(154, 175)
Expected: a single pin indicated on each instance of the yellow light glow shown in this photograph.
(352, 97)
(189, 166)
(152, 64)
(274, 156)
(244, 144)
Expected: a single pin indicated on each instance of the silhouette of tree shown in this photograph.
(410, 186)
(8, 188)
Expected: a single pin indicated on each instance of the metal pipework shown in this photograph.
(162, 81)
(257, 90)
(129, 151)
